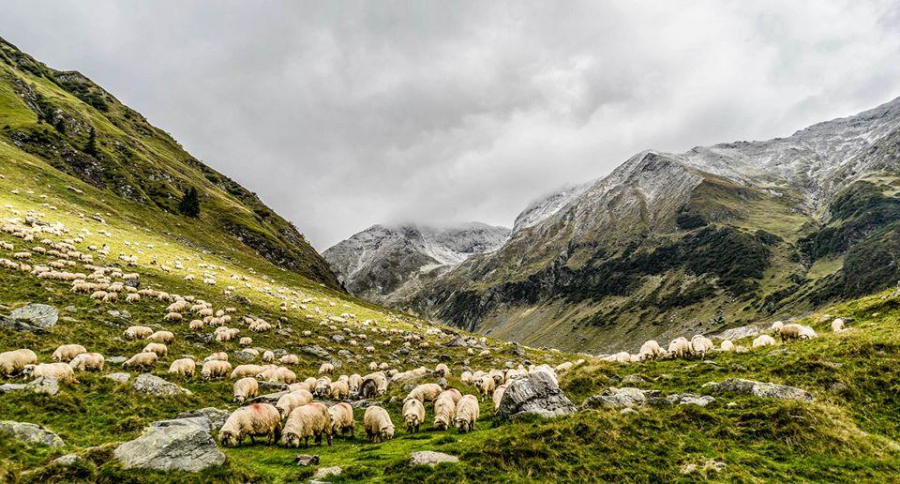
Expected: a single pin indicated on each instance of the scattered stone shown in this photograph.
(47, 385)
(338, 338)
(315, 350)
(175, 447)
(11, 387)
(458, 342)
(306, 460)
(244, 355)
(619, 398)
(70, 309)
(30, 433)
(711, 465)
(116, 360)
(216, 417)
(119, 377)
(759, 389)
(633, 380)
(38, 315)
(67, 460)
(114, 313)
(689, 399)
(627, 410)
(535, 394)
(327, 471)
(430, 458)
(154, 385)
(780, 351)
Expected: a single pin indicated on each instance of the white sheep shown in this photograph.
(789, 332)
(289, 359)
(61, 371)
(215, 369)
(700, 345)
(466, 414)
(257, 420)
(763, 340)
(137, 332)
(838, 325)
(145, 361)
(651, 350)
(342, 421)
(296, 398)
(413, 414)
(242, 371)
(160, 349)
(87, 362)
(13, 362)
(726, 346)
(310, 420)
(326, 369)
(340, 390)
(268, 357)
(166, 337)
(184, 367)
(497, 397)
(218, 356)
(65, 353)
(377, 424)
(427, 392)
(680, 347)
(244, 389)
(445, 409)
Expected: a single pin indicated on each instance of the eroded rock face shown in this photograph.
(216, 417)
(172, 447)
(30, 433)
(38, 315)
(759, 389)
(536, 394)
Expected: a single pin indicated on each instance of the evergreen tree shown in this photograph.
(190, 203)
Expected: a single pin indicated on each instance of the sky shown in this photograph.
(345, 114)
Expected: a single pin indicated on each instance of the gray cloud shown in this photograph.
(346, 114)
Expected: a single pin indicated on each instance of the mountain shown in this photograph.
(84, 131)
(715, 237)
(382, 261)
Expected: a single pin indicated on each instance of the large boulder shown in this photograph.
(535, 394)
(48, 385)
(689, 399)
(430, 458)
(154, 385)
(37, 315)
(315, 350)
(30, 433)
(171, 447)
(214, 416)
(759, 389)
(11, 387)
(625, 397)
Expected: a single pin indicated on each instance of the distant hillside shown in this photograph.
(81, 129)
(383, 261)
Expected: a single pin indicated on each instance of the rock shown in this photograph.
(114, 313)
(119, 377)
(116, 360)
(338, 338)
(315, 350)
(154, 385)
(632, 380)
(780, 351)
(708, 466)
(516, 351)
(214, 416)
(403, 350)
(175, 447)
(48, 385)
(38, 315)
(535, 394)
(125, 314)
(271, 398)
(67, 460)
(689, 399)
(327, 471)
(627, 410)
(70, 309)
(430, 458)
(734, 334)
(759, 389)
(11, 387)
(345, 354)
(618, 398)
(306, 460)
(30, 433)
(244, 355)
(458, 342)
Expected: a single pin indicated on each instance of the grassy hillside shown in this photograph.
(75, 126)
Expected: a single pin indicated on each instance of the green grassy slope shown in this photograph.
(52, 115)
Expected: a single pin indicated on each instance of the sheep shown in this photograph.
(789, 332)
(218, 356)
(310, 420)
(466, 376)
(680, 347)
(137, 332)
(441, 370)
(445, 409)
(13, 362)
(257, 420)
(838, 325)
(242, 371)
(245, 341)
(196, 325)
(373, 384)
(166, 337)
(466, 414)
(160, 349)
(497, 397)
(651, 350)
(323, 387)
(292, 400)
(763, 340)
(87, 362)
(268, 357)
(377, 424)
(726, 346)
(776, 326)
(289, 360)
(486, 385)
(700, 345)
(61, 371)
(145, 361)
(215, 369)
(425, 393)
(326, 369)
(340, 390)
(279, 375)
(353, 383)
(183, 367)
(65, 353)
(413, 414)
(244, 389)
(342, 421)
(173, 317)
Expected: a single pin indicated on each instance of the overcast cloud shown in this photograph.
(341, 114)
